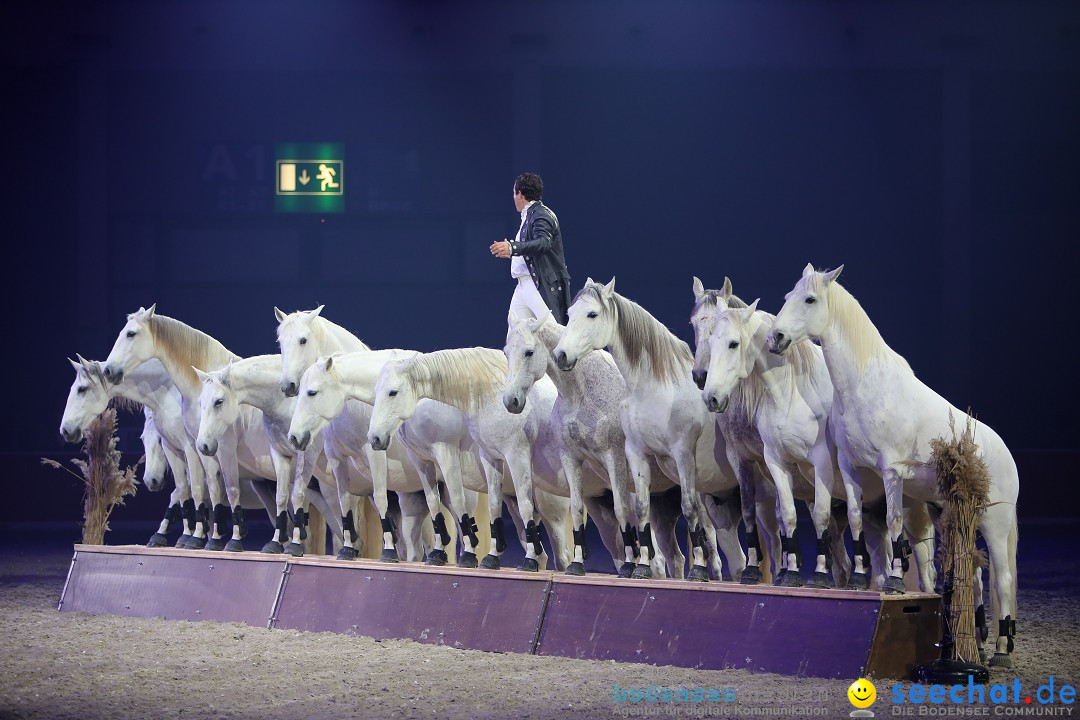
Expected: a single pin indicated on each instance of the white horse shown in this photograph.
(254, 382)
(586, 420)
(149, 385)
(742, 448)
(786, 400)
(471, 380)
(663, 417)
(884, 419)
(336, 395)
(181, 348)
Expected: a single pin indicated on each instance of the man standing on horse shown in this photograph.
(536, 256)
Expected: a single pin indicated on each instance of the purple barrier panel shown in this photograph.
(476, 609)
(173, 584)
(799, 632)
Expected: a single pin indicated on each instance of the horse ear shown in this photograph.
(832, 275)
(748, 312)
(725, 292)
(279, 315)
(83, 361)
(808, 270)
(75, 364)
(537, 323)
(315, 313)
(203, 377)
(699, 288)
(329, 363)
(223, 373)
(150, 312)
(609, 289)
(589, 281)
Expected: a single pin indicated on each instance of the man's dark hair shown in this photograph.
(530, 185)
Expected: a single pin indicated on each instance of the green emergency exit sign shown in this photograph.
(310, 177)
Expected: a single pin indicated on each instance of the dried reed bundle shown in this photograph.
(964, 485)
(105, 483)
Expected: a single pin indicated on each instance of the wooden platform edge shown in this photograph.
(906, 634)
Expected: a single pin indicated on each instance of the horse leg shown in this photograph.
(197, 512)
(693, 511)
(450, 465)
(664, 514)
(412, 513)
(894, 522)
(555, 511)
(920, 529)
(618, 473)
(283, 470)
(744, 473)
(350, 508)
(861, 567)
(377, 463)
(572, 470)
(998, 526)
(519, 463)
(824, 480)
(723, 535)
(642, 534)
(301, 515)
(608, 526)
(785, 513)
(428, 478)
(180, 494)
(494, 478)
(229, 477)
(216, 497)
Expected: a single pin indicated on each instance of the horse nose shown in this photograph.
(300, 443)
(113, 376)
(379, 443)
(288, 389)
(699, 378)
(207, 449)
(71, 435)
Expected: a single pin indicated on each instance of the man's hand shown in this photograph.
(500, 249)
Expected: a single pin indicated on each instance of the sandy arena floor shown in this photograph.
(72, 665)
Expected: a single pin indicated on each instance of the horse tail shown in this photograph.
(1014, 540)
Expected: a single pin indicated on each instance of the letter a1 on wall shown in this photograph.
(310, 177)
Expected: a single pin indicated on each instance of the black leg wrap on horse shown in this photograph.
(439, 524)
(221, 518)
(301, 521)
(172, 515)
(202, 514)
(497, 533)
(388, 527)
(579, 539)
(980, 624)
(238, 520)
(532, 535)
(901, 548)
(468, 527)
(1007, 627)
(824, 547)
(791, 545)
(858, 548)
(282, 527)
(754, 543)
(645, 539)
(348, 528)
(630, 538)
(188, 511)
(697, 538)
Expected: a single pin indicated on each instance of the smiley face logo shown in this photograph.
(862, 693)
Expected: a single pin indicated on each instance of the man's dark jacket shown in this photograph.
(542, 247)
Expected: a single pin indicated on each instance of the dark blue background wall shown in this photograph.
(932, 148)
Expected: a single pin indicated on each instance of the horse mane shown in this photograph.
(849, 316)
(643, 337)
(710, 298)
(462, 377)
(183, 347)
